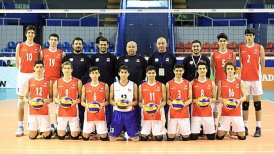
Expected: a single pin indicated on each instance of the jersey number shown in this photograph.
(51, 62)
(230, 92)
(39, 91)
(152, 96)
(248, 58)
(29, 56)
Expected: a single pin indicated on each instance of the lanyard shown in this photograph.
(162, 60)
(195, 64)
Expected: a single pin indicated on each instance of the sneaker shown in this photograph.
(246, 131)
(53, 129)
(20, 131)
(258, 132)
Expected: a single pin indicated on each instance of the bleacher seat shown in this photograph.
(46, 45)
(65, 45)
(11, 45)
(214, 45)
(240, 44)
(180, 45)
(188, 45)
(5, 52)
(232, 46)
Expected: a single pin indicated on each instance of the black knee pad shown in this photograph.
(170, 139)
(211, 136)
(241, 137)
(49, 136)
(159, 138)
(185, 138)
(85, 138)
(258, 106)
(61, 137)
(220, 137)
(194, 136)
(104, 139)
(245, 105)
(75, 137)
(143, 138)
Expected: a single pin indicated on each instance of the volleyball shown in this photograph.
(66, 102)
(151, 108)
(231, 104)
(122, 103)
(203, 102)
(94, 107)
(37, 103)
(178, 104)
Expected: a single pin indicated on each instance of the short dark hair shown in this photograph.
(30, 27)
(150, 67)
(178, 65)
(230, 63)
(250, 31)
(222, 35)
(94, 68)
(39, 61)
(201, 63)
(196, 41)
(78, 39)
(123, 67)
(103, 39)
(54, 35)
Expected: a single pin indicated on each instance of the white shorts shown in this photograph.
(39, 122)
(253, 87)
(154, 126)
(206, 122)
(89, 127)
(22, 79)
(179, 126)
(62, 123)
(236, 122)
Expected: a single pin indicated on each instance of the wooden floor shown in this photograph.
(11, 144)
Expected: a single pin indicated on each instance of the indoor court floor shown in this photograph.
(23, 145)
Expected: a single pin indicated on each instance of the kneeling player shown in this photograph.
(39, 89)
(95, 91)
(152, 92)
(178, 89)
(231, 89)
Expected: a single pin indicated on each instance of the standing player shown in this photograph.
(231, 88)
(38, 87)
(71, 87)
(95, 91)
(26, 55)
(179, 88)
(123, 118)
(152, 91)
(218, 60)
(202, 87)
(252, 61)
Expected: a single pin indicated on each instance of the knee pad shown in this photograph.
(49, 136)
(85, 138)
(104, 139)
(143, 138)
(220, 137)
(185, 138)
(257, 105)
(170, 139)
(211, 136)
(75, 137)
(194, 136)
(159, 138)
(241, 137)
(61, 137)
(245, 105)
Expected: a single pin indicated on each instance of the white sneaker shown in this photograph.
(20, 131)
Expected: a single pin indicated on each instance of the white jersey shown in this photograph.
(126, 92)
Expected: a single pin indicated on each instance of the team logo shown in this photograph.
(126, 60)
(97, 59)
(167, 59)
(71, 59)
(138, 60)
(191, 62)
(156, 59)
(108, 59)
(82, 59)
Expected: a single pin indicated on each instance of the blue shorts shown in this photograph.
(122, 120)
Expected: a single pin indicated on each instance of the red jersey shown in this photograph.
(28, 54)
(201, 89)
(179, 90)
(231, 89)
(53, 62)
(39, 88)
(220, 59)
(68, 89)
(250, 60)
(152, 93)
(95, 93)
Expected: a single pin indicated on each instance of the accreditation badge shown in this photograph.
(161, 72)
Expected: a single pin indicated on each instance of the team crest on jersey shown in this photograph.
(126, 60)
(70, 59)
(108, 59)
(129, 90)
(191, 62)
(158, 89)
(97, 59)
(82, 59)
(167, 59)
(156, 60)
(138, 60)
(237, 86)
